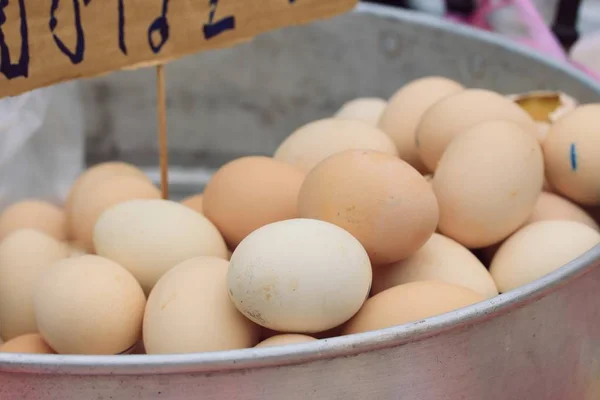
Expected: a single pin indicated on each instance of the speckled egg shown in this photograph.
(381, 200)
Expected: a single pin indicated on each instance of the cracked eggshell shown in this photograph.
(189, 311)
(299, 276)
(545, 107)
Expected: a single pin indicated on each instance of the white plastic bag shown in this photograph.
(41, 144)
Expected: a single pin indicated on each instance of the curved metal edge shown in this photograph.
(497, 40)
(344, 346)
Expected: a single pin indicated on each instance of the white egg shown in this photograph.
(149, 237)
(538, 249)
(299, 276)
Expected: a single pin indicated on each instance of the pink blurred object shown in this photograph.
(540, 37)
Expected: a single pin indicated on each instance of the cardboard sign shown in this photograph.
(43, 42)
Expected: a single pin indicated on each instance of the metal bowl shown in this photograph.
(541, 341)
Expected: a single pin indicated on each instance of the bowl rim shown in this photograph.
(338, 346)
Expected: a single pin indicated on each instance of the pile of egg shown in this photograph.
(387, 213)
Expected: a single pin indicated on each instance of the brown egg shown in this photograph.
(24, 256)
(538, 249)
(571, 153)
(441, 259)
(284, 340)
(488, 182)
(194, 202)
(34, 214)
(550, 207)
(381, 200)
(87, 206)
(89, 305)
(318, 140)
(251, 192)
(455, 114)
(99, 172)
(410, 302)
(366, 109)
(189, 311)
(405, 110)
(31, 343)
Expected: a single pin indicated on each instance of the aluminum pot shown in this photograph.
(541, 341)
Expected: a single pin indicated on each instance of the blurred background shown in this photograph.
(230, 102)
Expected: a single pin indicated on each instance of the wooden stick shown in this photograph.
(161, 112)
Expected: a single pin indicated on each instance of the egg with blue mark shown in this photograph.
(571, 151)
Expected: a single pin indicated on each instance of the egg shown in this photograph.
(410, 302)
(195, 202)
(442, 259)
(284, 340)
(538, 249)
(299, 276)
(381, 200)
(31, 343)
(189, 311)
(405, 110)
(76, 250)
(34, 214)
(86, 207)
(488, 182)
(316, 141)
(455, 114)
(89, 305)
(24, 256)
(86, 182)
(571, 153)
(550, 206)
(149, 237)
(251, 192)
(366, 109)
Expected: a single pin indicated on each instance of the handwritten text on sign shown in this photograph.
(49, 41)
